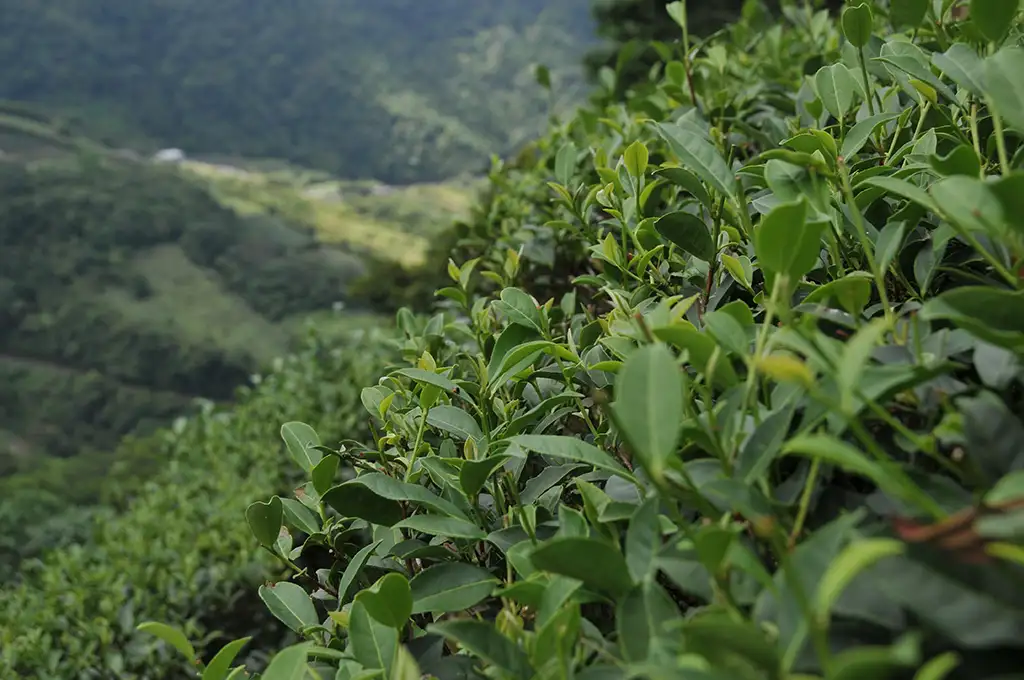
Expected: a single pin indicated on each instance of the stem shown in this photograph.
(805, 502)
(974, 138)
(997, 124)
(858, 221)
(416, 447)
(867, 83)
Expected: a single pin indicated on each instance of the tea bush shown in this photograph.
(726, 385)
(172, 547)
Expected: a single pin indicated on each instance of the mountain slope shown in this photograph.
(397, 90)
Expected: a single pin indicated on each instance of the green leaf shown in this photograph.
(856, 22)
(963, 66)
(994, 17)
(484, 641)
(889, 243)
(874, 661)
(220, 665)
(643, 540)
(576, 558)
(854, 359)
(1005, 86)
(643, 616)
(454, 421)
(288, 664)
(348, 498)
(852, 292)
(520, 308)
(1009, 189)
(648, 406)
(688, 232)
(835, 87)
(300, 517)
(970, 204)
(714, 635)
(290, 604)
(372, 644)
(1009, 488)
(265, 520)
(860, 133)
(700, 156)
(570, 448)
(474, 473)
(907, 13)
(904, 189)
(300, 440)
(353, 499)
(635, 158)
(991, 314)
(853, 560)
(961, 160)
(439, 525)
(324, 473)
(172, 636)
(450, 587)
(355, 566)
(429, 378)
(389, 600)
(405, 667)
(786, 242)
(565, 163)
(939, 667)
(685, 179)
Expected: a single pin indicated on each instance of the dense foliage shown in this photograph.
(728, 387)
(168, 546)
(395, 90)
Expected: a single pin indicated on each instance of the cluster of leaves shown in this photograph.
(170, 546)
(732, 390)
(390, 90)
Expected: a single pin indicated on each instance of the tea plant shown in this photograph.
(726, 385)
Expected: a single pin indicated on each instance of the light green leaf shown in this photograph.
(520, 308)
(648, 406)
(450, 587)
(429, 378)
(288, 664)
(290, 604)
(904, 189)
(970, 204)
(565, 163)
(641, 617)
(963, 66)
(635, 158)
(835, 87)
(300, 440)
(786, 242)
(1005, 85)
(860, 133)
(171, 636)
(300, 517)
(220, 665)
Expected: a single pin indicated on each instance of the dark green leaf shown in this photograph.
(700, 156)
(576, 557)
(355, 566)
(389, 600)
(570, 448)
(484, 641)
(907, 13)
(643, 540)
(994, 17)
(642, 616)
(220, 665)
(450, 587)
(474, 473)
(856, 22)
(439, 525)
(991, 314)
(265, 520)
(787, 242)
(688, 232)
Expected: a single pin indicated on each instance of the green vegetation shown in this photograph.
(393, 90)
(724, 383)
(722, 391)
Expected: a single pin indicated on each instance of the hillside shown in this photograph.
(128, 289)
(393, 90)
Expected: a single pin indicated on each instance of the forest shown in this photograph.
(715, 375)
